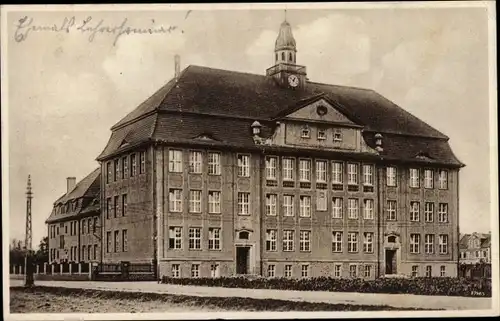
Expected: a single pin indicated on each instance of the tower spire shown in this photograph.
(285, 15)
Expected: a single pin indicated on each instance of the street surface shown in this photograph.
(395, 300)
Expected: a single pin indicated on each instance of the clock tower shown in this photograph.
(285, 71)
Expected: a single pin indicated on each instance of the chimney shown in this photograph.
(177, 62)
(71, 182)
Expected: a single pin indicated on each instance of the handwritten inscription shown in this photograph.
(88, 26)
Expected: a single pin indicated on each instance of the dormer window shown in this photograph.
(337, 136)
(321, 134)
(306, 133)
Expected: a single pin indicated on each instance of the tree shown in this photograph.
(16, 252)
(42, 254)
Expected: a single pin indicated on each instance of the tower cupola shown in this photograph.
(285, 48)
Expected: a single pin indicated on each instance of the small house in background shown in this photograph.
(475, 255)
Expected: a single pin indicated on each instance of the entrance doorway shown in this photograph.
(390, 262)
(242, 259)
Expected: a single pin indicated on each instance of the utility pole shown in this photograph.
(28, 262)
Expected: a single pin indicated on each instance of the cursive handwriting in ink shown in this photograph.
(25, 26)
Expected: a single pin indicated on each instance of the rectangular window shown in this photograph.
(109, 172)
(115, 206)
(109, 242)
(443, 179)
(414, 243)
(429, 212)
(213, 163)
(414, 178)
(414, 211)
(368, 209)
(117, 170)
(244, 165)
(368, 242)
(391, 210)
(337, 207)
(428, 271)
(429, 243)
(288, 169)
(214, 238)
(271, 206)
(195, 270)
(368, 175)
(175, 161)
(368, 271)
(288, 271)
(288, 240)
(271, 165)
(337, 135)
(194, 201)
(271, 270)
(124, 240)
(304, 270)
(288, 207)
(176, 270)
(352, 174)
(443, 244)
(428, 178)
(214, 202)
(442, 271)
(124, 167)
(133, 165)
(271, 237)
(321, 171)
(321, 134)
(443, 213)
(337, 242)
(117, 241)
(337, 177)
(142, 164)
(175, 238)
(352, 242)
(353, 208)
(195, 162)
(305, 241)
(337, 270)
(214, 270)
(305, 206)
(353, 270)
(124, 204)
(305, 170)
(414, 271)
(243, 203)
(83, 252)
(194, 238)
(321, 200)
(175, 200)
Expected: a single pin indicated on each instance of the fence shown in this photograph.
(56, 271)
(125, 271)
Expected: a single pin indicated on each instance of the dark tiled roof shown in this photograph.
(486, 241)
(464, 241)
(224, 104)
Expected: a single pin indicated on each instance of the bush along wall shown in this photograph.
(419, 286)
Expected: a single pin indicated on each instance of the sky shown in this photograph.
(66, 91)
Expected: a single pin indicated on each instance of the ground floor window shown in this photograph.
(195, 270)
(176, 270)
(214, 270)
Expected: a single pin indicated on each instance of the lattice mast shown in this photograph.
(29, 196)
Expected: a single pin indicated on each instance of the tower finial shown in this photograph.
(285, 14)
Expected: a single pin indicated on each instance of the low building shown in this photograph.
(475, 248)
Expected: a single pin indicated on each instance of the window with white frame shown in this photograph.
(353, 270)
(133, 165)
(428, 178)
(429, 211)
(321, 171)
(288, 240)
(288, 169)
(443, 244)
(414, 243)
(336, 241)
(271, 204)
(117, 170)
(244, 165)
(337, 207)
(305, 170)
(194, 201)
(428, 271)
(175, 238)
(195, 162)
(414, 271)
(337, 135)
(175, 200)
(243, 203)
(442, 271)
(176, 270)
(443, 213)
(214, 270)
(125, 167)
(109, 172)
(213, 163)
(271, 165)
(321, 134)
(352, 174)
(142, 162)
(195, 270)
(368, 271)
(368, 209)
(353, 208)
(337, 177)
(368, 175)
(391, 173)
(414, 178)
(337, 270)
(175, 161)
(321, 201)
(391, 210)
(429, 243)
(352, 242)
(271, 238)
(305, 206)
(305, 241)
(306, 132)
(288, 207)
(288, 271)
(213, 201)
(368, 242)
(195, 238)
(443, 179)
(214, 238)
(414, 211)
(304, 270)
(271, 270)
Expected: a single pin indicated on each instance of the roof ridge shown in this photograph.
(77, 184)
(227, 70)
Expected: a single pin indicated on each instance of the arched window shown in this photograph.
(276, 56)
(290, 58)
(244, 235)
(283, 56)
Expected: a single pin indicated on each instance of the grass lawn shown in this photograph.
(41, 299)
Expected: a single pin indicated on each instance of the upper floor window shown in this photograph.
(288, 240)
(337, 206)
(271, 238)
(353, 208)
(414, 243)
(124, 167)
(443, 179)
(133, 165)
(271, 206)
(391, 176)
(142, 164)
(214, 238)
(414, 178)
(214, 202)
(352, 174)
(288, 169)
(337, 135)
(109, 172)
(271, 164)
(175, 161)
(391, 210)
(288, 208)
(124, 204)
(306, 132)
(305, 206)
(337, 172)
(195, 162)
(443, 244)
(214, 163)
(428, 178)
(321, 171)
(305, 170)
(175, 203)
(429, 211)
(368, 209)
(321, 134)
(443, 213)
(368, 175)
(117, 170)
(321, 201)
(244, 165)
(414, 211)
(194, 201)
(243, 203)
(194, 238)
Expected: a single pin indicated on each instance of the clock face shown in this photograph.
(293, 80)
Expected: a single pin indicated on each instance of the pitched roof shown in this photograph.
(225, 103)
